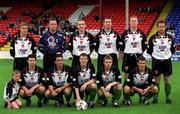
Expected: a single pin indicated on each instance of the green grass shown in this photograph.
(160, 108)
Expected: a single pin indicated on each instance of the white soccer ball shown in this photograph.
(81, 105)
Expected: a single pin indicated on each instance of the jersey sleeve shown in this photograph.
(70, 45)
(33, 47)
(69, 79)
(12, 48)
(8, 90)
(150, 45)
(97, 42)
(42, 43)
(118, 76)
(122, 42)
(40, 81)
(144, 41)
(23, 83)
(129, 80)
(118, 42)
(75, 77)
(151, 80)
(93, 75)
(99, 79)
(92, 42)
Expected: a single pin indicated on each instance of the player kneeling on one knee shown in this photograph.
(84, 81)
(140, 81)
(59, 82)
(11, 91)
(109, 82)
(31, 83)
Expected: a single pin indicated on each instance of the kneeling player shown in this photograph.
(140, 81)
(31, 81)
(11, 91)
(109, 82)
(84, 80)
(59, 82)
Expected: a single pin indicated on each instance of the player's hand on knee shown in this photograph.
(107, 94)
(108, 87)
(54, 93)
(83, 87)
(58, 90)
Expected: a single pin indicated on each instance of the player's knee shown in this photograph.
(22, 92)
(67, 91)
(100, 92)
(47, 93)
(155, 89)
(93, 86)
(118, 87)
(126, 89)
(41, 89)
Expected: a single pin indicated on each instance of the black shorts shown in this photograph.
(48, 62)
(130, 61)
(161, 67)
(20, 63)
(101, 59)
(75, 60)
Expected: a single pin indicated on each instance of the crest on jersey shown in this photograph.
(51, 42)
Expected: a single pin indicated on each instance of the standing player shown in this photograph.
(84, 80)
(59, 81)
(21, 46)
(31, 81)
(81, 42)
(109, 81)
(140, 81)
(11, 91)
(107, 42)
(161, 47)
(133, 43)
(51, 42)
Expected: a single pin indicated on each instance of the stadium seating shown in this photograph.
(116, 10)
(174, 17)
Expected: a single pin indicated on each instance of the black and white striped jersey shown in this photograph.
(81, 43)
(11, 90)
(140, 79)
(60, 78)
(31, 78)
(161, 47)
(104, 78)
(107, 43)
(81, 76)
(22, 47)
(133, 42)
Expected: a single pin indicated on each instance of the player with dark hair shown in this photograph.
(161, 47)
(84, 80)
(140, 81)
(109, 82)
(133, 44)
(59, 82)
(81, 42)
(107, 42)
(51, 42)
(21, 46)
(11, 91)
(32, 81)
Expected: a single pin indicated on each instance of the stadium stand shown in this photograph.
(173, 18)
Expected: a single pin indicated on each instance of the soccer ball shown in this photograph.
(81, 105)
